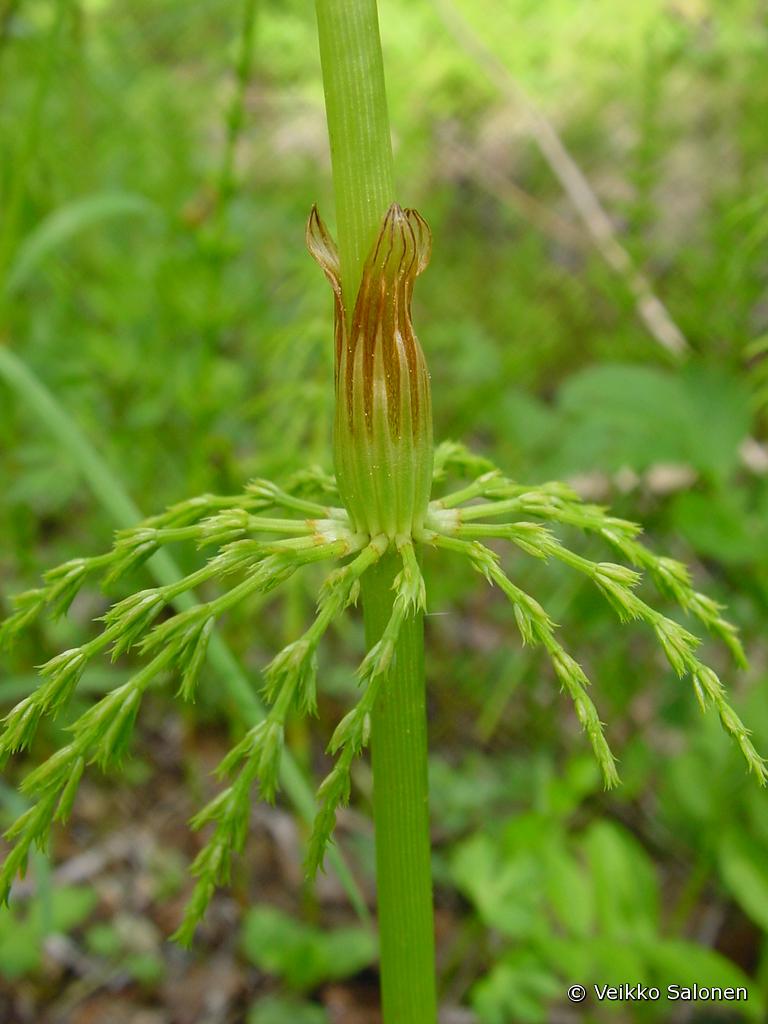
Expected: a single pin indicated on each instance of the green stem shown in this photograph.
(358, 129)
(401, 812)
(361, 154)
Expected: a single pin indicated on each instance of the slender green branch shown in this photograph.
(112, 496)
(537, 629)
(457, 531)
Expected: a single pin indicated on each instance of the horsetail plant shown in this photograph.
(384, 505)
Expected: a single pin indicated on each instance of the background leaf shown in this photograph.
(744, 867)
(60, 228)
(303, 955)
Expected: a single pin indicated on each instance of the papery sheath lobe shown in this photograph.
(383, 422)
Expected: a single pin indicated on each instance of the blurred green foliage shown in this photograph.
(276, 1010)
(303, 955)
(22, 933)
(171, 309)
(585, 906)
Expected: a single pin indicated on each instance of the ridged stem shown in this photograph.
(358, 129)
(401, 813)
(361, 155)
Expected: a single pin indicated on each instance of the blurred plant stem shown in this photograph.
(8, 9)
(226, 184)
(13, 200)
(650, 309)
(363, 177)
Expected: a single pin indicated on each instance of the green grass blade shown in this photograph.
(64, 223)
